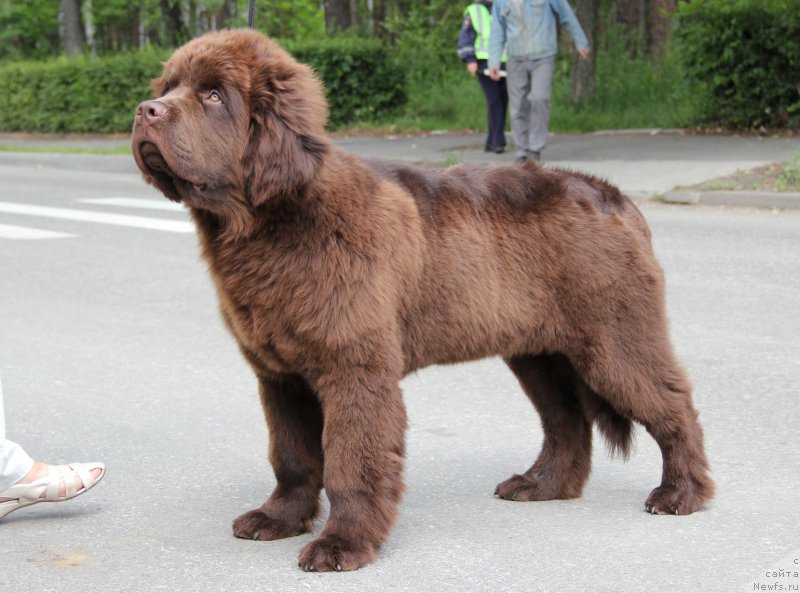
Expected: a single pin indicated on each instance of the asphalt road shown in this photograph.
(111, 348)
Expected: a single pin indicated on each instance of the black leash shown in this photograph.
(251, 17)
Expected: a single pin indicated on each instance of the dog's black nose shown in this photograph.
(149, 111)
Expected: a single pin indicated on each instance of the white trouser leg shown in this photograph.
(14, 462)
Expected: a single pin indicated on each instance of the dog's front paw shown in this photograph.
(334, 553)
(524, 488)
(257, 525)
(683, 499)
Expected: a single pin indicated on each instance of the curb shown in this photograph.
(741, 199)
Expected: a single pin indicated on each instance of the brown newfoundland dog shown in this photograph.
(338, 276)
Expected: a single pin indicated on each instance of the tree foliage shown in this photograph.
(29, 29)
(36, 28)
(45, 28)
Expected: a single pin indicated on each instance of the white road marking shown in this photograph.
(20, 232)
(163, 204)
(157, 224)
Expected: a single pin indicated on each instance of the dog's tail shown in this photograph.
(616, 429)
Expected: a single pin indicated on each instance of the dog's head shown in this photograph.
(236, 122)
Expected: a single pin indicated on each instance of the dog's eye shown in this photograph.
(215, 97)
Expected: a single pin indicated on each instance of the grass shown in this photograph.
(777, 177)
(454, 102)
(789, 176)
(631, 93)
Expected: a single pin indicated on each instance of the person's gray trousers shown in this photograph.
(529, 83)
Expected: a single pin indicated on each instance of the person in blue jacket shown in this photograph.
(473, 49)
(526, 30)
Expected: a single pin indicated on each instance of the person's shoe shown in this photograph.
(495, 148)
(534, 156)
(61, 482)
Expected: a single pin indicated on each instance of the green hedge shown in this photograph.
(747, 54)
(99, 95)
(362, 80)
(77, 95)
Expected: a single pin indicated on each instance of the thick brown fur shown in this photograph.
(338, 276)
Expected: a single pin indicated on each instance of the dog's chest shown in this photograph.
(259, 303)
(262, 337)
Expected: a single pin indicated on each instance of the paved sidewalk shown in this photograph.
(646, 164)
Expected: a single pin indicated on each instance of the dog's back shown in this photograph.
(520, 189)
(515, 257)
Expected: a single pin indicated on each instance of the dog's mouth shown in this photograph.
(172, 185)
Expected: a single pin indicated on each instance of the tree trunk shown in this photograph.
(371, 16)
(74, 37)
(88, 21)
(337, 15)
(583, 73)
(651, 18)
(378, 15)
(227, 12)
(661, 13)
(173, 17)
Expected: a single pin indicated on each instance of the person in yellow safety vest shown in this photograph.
(473, 49)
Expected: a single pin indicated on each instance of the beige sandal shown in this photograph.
(45, 489)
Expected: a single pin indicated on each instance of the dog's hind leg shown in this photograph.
(564, 463)
(646, 383)
(294, 420)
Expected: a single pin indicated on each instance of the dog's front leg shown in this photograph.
(364, 443)
(294, 420)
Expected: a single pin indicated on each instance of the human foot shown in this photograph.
(50, 483)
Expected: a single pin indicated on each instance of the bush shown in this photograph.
(747, 54)
(99, 95)
(81, 95)
(362, 81)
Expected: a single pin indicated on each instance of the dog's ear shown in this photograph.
(288, 113)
